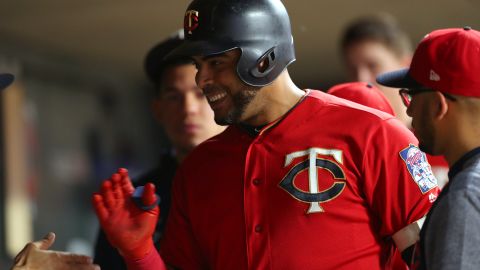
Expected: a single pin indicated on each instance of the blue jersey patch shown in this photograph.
(419, 168)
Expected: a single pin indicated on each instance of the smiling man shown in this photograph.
(299, 180)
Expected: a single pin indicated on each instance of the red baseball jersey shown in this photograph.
(325, 187)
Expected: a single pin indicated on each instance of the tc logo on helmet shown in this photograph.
(190, 21)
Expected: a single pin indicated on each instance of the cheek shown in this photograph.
(205, 110)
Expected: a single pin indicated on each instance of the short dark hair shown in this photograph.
(157, 81)
(381, 28)
(155, 63)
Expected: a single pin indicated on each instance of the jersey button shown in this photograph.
(257, 182)
(258, 228)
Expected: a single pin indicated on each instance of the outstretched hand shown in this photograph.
(128, 228)
(35, 256)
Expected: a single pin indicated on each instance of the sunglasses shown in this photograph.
(407, 93)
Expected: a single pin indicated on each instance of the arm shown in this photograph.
(128, 228)
(451, 239)
(36, 255)
(400, 187)
(106, 256)
(407, 243)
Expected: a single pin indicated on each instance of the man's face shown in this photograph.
(367, 59)
(183, 110)
(420, 109)
(227, 95)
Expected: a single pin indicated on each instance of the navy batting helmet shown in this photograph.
(259, 28)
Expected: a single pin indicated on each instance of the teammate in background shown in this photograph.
(442, 95)
(372, 45)
(375, 44)
(35, 255)
(299, 180)
(362, 93)
(182, 109)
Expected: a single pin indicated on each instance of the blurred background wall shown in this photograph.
(80, 107)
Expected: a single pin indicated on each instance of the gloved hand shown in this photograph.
(128, 228)
(35, 256)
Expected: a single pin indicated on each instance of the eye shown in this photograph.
(172, 96)
(215, 62)
(196, 65)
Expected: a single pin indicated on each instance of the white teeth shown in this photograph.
(216, 97)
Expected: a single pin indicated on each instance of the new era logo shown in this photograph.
(434, 76)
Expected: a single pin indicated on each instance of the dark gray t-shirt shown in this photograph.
(452, 235)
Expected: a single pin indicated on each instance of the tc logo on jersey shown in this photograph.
(190, 22)
(313, 196)
(419, 168)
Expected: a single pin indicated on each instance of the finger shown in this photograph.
(46, 242)
(71, 258)
(100, 209)
(125, 182)
(87, 267)
(148, 196)
(117, 187)
(107, 194)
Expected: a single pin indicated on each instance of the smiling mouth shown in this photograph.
(216, 97)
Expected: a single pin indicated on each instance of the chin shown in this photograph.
(427, 149)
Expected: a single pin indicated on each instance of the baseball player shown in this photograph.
(441, 90)
(299, 180)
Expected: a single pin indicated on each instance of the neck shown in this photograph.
(273, 101)
(181, 154)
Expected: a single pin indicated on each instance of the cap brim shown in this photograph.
(398, 79)
(200, 47)
(5, 80)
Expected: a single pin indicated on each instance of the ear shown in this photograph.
(441, 106)
(157, 110)
(263, 65)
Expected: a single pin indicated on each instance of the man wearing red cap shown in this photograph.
(441, 90)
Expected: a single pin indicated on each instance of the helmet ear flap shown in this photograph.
(264, 64)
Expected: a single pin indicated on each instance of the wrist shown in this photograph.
(138, 253)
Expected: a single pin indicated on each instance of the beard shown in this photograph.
(426, 133)
(240, 101)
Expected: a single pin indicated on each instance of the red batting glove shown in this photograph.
(128, 228)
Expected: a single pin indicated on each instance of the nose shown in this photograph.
(191, 103)
(364, 75)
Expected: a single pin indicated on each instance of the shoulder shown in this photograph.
(207, 149)
(355, 117)
(344, 107)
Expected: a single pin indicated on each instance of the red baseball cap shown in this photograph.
(446, 60)
(362, 93)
